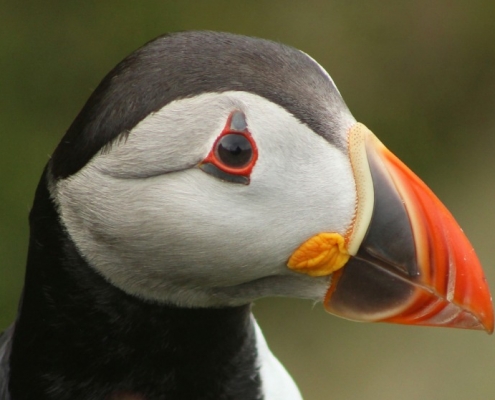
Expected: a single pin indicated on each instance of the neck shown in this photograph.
(79, 337)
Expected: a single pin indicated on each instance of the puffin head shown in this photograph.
(210, 169)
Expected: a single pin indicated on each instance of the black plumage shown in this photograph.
(79, 337)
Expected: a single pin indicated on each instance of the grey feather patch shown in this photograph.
(5, 348)
(238, 122)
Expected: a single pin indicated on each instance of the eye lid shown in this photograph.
(212, 169)
(236, 125)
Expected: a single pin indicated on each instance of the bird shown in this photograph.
(208, 170)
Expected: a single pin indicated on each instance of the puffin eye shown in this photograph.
(234, 150)
(234, 153)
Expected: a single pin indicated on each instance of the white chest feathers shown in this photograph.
(275, 380)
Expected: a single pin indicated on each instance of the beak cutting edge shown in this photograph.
(410, 262)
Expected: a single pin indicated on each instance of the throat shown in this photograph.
(79, 337)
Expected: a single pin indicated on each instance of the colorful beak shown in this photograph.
(404, 259)
(410, 261)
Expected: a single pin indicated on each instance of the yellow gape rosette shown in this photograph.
(320, 255)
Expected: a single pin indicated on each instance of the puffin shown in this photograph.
(208, 170)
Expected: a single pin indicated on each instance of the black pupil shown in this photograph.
(234, 150)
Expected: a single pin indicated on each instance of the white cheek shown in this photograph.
(310, 182)
(190, 230)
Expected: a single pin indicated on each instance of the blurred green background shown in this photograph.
(420, 74)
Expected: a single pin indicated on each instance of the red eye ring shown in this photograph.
(234, 145)
(217, 158)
